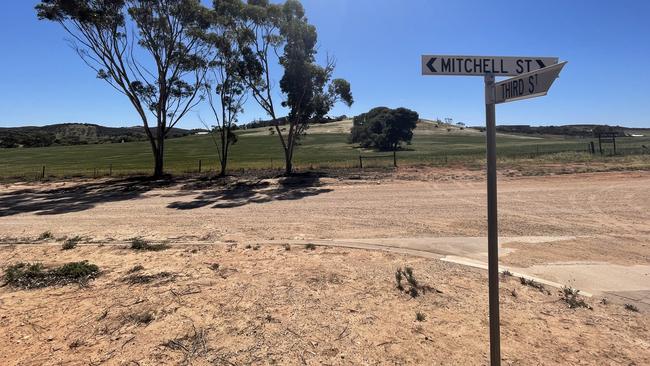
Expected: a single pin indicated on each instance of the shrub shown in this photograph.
(310, 246)
(533, 284)
(141, 244)
(287, 247)
(76, 270)
(71, 243)
(24, 274)
(34, 275)
(398, 279)
(414, 286)
(420, 316)
(506, 273)
(631, 307)
(571, 297)
(46, 235)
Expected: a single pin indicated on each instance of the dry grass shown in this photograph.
(329, 306)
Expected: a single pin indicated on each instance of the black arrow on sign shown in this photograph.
(540, 64)
(430, 64)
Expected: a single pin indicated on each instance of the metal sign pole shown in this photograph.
(493, 235)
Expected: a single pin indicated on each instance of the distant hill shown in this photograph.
(586, 130)
(75, 134)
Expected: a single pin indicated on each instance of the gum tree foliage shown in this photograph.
(282, 32)
(227, 90)
(148, 50)
(383, 128)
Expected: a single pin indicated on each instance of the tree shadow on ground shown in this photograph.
(242, 193)
(77, 197)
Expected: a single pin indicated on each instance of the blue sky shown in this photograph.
(378, 44)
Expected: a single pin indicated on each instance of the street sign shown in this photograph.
(482, 65)
(528, 85)
(533, 76)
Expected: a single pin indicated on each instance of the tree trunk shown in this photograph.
(288, 167)
(224, 162)
(159, 153)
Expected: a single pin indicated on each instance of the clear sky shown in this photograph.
(378, 44)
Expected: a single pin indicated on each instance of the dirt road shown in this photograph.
(444, 203)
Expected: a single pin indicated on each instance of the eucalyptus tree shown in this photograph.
(308, 91)
(148, 50)
(227, 89)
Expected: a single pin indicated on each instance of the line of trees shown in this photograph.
(167, 56)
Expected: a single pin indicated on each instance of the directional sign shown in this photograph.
(482, 65)
(529, 85)
(533, 76)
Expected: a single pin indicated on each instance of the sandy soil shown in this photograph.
(328, 306)
(407, 204)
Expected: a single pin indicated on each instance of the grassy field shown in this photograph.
(257, 149)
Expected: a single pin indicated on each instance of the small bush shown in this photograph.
(248, 246)
(141, 244)
(533, 284)
(34, 275)
(310, 246)
(76, 270)
(71, 243)
(410, 278)
(214, 266)
(506, 273)
(420, 316)
(46, 235)
(398, 279)
(571, 297)
(414, 286)
(24, 274)
(287, 247)
(631, 307)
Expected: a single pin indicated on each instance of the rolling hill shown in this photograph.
(64, 134)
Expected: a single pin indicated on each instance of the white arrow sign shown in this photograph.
(481, 65)
(529, 85)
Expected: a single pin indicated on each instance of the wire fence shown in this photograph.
(364, 160)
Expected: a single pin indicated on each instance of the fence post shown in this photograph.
(43, 173)
(360, 162)
(110, 170)
(395, 158)
(199, 165)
